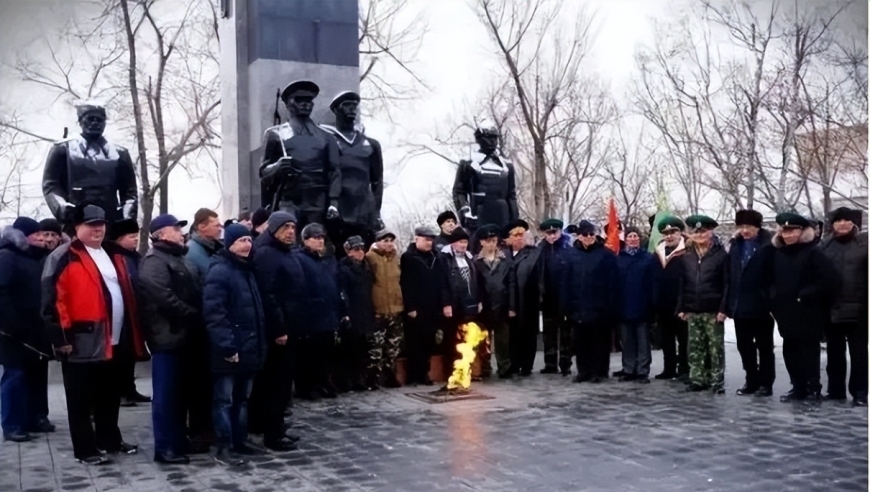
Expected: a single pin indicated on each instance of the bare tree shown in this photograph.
(389, 38)
(630, 177)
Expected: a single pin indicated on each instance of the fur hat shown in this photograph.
(445, 216)
(749, 217)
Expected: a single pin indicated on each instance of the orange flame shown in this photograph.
(472, 336)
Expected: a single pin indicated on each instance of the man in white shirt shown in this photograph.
(93, 326)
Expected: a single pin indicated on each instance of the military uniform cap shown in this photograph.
(695, 222)
(552, 225)
(487, 231)
(791, 220)
(343, 97)
(671, 223)
(305, 88)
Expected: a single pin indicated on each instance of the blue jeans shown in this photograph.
(167, 412)
(230, 408)
(13, 400)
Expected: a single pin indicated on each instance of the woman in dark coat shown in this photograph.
(236, 329)
(525, 285)
(802, 284)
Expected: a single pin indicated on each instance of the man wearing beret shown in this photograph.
(846, 249)
(666, 286)
(802, 284)
(701, 303)
(300, 169)
(421, 281)
(748, 304)
(554, 249)
(361, 165)
(90, 170)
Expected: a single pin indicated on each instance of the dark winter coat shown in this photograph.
(440, 241)
(666, 278)
(704, 283)
(357, 280)
(848, 255)
(526, 282)
(553, 263)
(493, 279)
(171, 297)
(636, 285)
(23, 338)
(590, 285)
(200, 252)
(463, 297)
(283, 287)
(802, 284)
(234, 315)
(324, 308)
(747, 296)
(421, 283)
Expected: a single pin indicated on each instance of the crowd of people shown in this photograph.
(239, 317)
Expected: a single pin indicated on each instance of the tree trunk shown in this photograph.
(146, 202)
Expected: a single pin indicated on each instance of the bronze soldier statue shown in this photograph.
(90, 170)
(484, 191)
(362, 172)
(300, 169)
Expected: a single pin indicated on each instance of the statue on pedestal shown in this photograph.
(484, 191)
(300, 169)
(362, 172)
(90, 170)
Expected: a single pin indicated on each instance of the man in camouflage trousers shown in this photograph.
(702, 303)
(386, 342)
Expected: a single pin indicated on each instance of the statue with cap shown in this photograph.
(362, 171)
(90, 169)
(484, 191)
(300, 170)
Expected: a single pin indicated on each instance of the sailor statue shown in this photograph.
(362, 172)
(484, 191)
(300, 170)
(90, 170)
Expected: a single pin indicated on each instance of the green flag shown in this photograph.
(663, 210)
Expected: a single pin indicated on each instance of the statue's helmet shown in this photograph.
(85, 107)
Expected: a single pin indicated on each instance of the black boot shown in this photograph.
(224, 456)
(170, 458)
(747, 389)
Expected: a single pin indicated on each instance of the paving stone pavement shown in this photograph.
(538, 433)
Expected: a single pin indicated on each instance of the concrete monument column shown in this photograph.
(266, 44)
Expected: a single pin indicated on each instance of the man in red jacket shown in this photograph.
(91, 314)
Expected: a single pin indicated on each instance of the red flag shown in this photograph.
(612, 242)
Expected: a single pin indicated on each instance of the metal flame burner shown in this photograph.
(444, 395)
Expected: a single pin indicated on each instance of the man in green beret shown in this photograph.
(556, 333)
(802, 287)
(702, 304)
(666, 286)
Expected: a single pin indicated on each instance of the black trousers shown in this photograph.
(351, 360)
(802, 356)
(674, 331)
(592, 348)
(197, 389)
(419, 347)
(755, 344)
(523, 342)
(270, 394)
(314, 363)
(127, 366)
(92, 390)
(839, 335)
